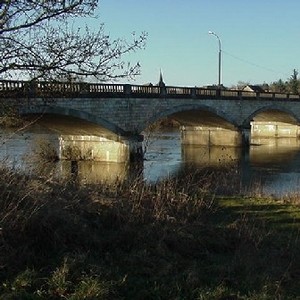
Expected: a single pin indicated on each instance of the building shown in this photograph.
(253, 88)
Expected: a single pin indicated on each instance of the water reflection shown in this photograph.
(216, 156)
(20, 151)
(273, 163)
(276, 162)
(269, 166)
(275, 153)
(86, 171)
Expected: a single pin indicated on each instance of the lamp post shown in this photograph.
(220, 55)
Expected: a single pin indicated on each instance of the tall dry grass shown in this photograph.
(133, 240)
(42, 219)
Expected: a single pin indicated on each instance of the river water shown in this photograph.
(268, 167)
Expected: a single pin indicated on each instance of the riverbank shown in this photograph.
(170, 240)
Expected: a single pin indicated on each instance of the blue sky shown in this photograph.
(260, 38)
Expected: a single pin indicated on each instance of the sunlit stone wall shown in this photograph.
(200, 135)
(73, 147)
(274, 129)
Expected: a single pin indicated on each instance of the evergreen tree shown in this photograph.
(293, 84)
(279, 86)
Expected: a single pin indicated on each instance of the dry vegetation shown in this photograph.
(132, 240)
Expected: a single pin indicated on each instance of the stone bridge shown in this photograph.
(108, 120)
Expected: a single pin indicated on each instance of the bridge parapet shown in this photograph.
(78, 89)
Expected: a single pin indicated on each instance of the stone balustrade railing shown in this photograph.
(77, 89)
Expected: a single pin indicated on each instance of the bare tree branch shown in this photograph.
(38, 41)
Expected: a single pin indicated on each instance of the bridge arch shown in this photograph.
(287, 113)
(42, 109)
(191, 107)
(82, 136)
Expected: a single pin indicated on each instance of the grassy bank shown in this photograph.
(172, 240)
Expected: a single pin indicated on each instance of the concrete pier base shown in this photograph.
(136, 151)
(210, 136)
(246, 136)
(75, 147)
(274, 129)
(88, 147)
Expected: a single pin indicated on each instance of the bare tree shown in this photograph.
(39, 40)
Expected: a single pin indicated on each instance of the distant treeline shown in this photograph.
(291, 85)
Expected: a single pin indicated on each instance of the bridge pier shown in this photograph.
(246, 136)
(80, 147)
(96, 148)
(136, 152)
(210, 136)
(274, 130)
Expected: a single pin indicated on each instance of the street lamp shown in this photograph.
(220, 55)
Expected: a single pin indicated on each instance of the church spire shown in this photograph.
(161, 81)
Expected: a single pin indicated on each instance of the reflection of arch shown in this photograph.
(40, 109)
(190, 107)
(274, 107)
